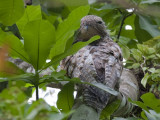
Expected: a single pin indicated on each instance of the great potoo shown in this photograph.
(98, 62)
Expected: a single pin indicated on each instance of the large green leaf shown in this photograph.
(73, 49)
(141, 34)
(110, 109)
(16, 47)
(140, 104)
(10, 70)
(36, 107)
(51, 18)
(11, 11)
(66, 29)
(125, 52)
(72, 4)
(31, 13)
(39, 37)
(27, 78)
(105, 88)
(146, 24)
(59, 116)
(65, 98)
(123, 41)
(148, 99)
(129, 33)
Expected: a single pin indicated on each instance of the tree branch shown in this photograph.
(122, 23)
(55, 85)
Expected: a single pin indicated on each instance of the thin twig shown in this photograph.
(119, 11)
(142, 65)
(122, 23)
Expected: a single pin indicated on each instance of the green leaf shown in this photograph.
(123, 41)
(14, 99)
(141, 34)
(31, 13)
(72, 4)
(59, 116)
(140, 104)
(152, 115)
(145, 79)
(10, 70)
(125, 52)
(146, 24)
(28, 78)
(11, 11)
(110, 109)
(37, 107)
(84, 112)
(137, 54)
(58, 77)
(39, 37)
(153, 43)
(158, 55)
(66, 98)
(16, 47)
(148, 99)
(135, 65)
(149, 1)
(143, 115)
(108, 6)
(145, 49)
(73, 49)
(49, 17)
(66, 29)
(152, 70)
(129, 33)
(129, 118)
(104, 87)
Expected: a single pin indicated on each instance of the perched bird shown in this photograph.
(98, 62)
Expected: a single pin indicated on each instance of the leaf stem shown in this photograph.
(37, 93)
(37, 84)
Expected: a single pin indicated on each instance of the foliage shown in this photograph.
(45, 30)
(14, 106)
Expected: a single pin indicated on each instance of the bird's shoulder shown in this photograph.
(76, 61)
(106, 48)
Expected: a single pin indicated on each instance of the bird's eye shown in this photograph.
(99, 22)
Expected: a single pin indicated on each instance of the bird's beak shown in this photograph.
(86, 27)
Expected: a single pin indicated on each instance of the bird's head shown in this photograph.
(91, 25)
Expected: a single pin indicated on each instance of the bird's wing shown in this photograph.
(99, 64)
(107, 59)
(113, 65)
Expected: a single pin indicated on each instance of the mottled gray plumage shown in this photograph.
(100, 61)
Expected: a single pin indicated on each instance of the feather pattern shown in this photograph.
(100, 61)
